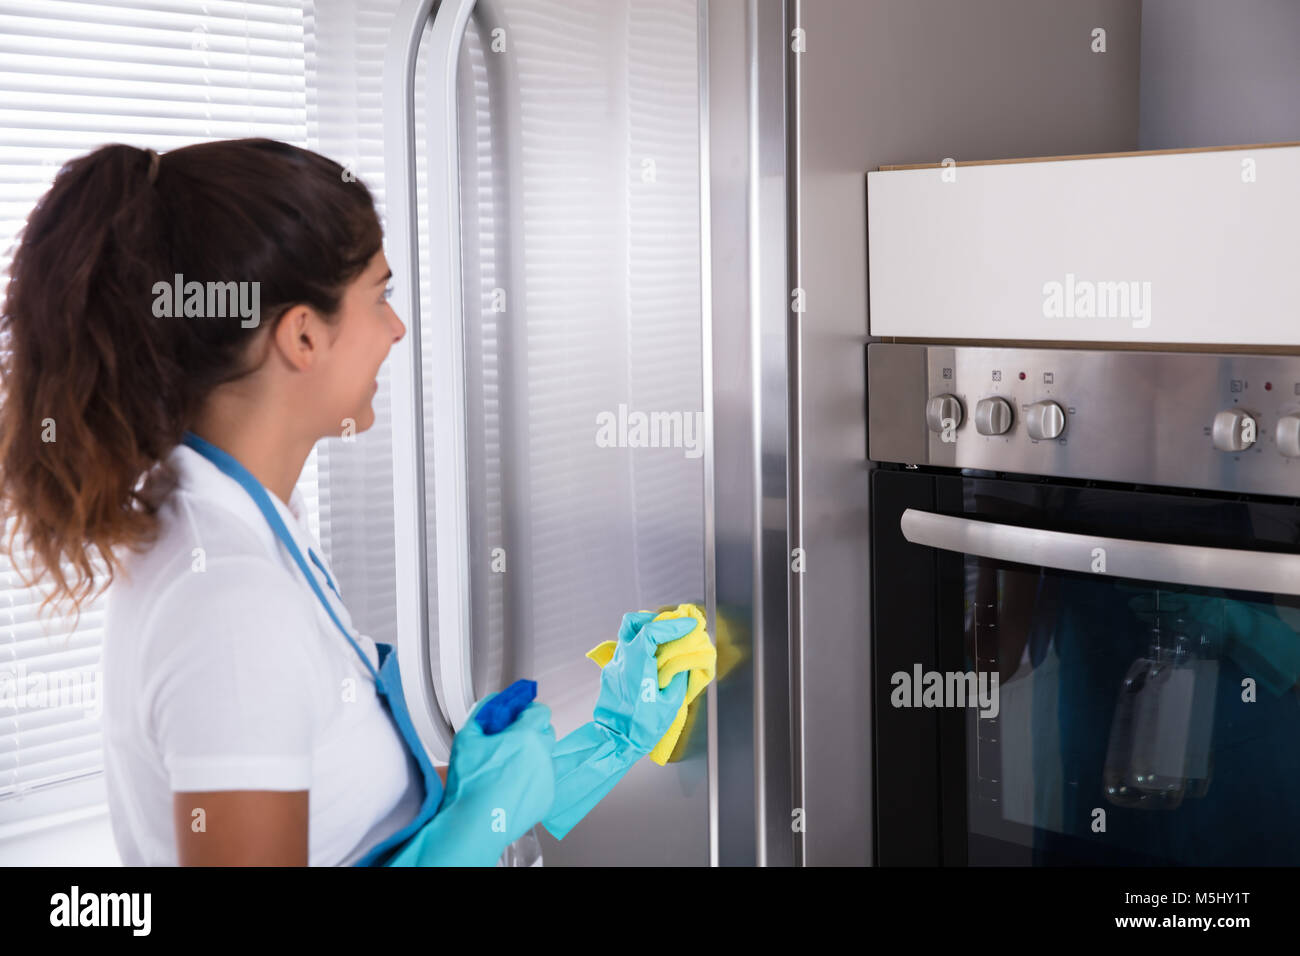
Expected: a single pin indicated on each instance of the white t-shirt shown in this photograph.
(222, 671)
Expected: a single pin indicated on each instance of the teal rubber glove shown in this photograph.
(498, 787)
(632, 714)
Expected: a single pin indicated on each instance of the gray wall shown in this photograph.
(1219, 72)
(906, 81)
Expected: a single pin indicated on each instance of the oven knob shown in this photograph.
(993, 416)
(1230, 433)
(941, 408)
(1044, 420)
(1288, 435)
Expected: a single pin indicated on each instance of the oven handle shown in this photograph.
(1226, 568)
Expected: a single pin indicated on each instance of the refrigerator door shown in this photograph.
(550, 422)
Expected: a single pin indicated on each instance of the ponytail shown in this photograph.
(95, 387)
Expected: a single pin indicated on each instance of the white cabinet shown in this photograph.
(1187, 246)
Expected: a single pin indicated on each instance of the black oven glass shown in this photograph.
(1134, 722)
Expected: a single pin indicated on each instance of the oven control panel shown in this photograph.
(1218, 421)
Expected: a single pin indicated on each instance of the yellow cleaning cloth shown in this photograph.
(693, 653)
(729, 655)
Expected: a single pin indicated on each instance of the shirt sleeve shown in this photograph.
(232, 691)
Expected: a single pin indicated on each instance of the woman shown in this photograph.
(181, 331)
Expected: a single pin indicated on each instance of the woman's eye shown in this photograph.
(388, 292)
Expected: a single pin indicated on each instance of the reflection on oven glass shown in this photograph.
(1138, 723)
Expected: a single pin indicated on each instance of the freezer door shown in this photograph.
(558, 413)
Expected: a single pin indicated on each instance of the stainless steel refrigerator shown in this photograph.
(592, 408)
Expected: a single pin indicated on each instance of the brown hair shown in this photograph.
(95, 389)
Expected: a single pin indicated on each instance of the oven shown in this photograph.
(1085, 606)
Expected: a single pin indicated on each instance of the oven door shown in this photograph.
(1066, 674)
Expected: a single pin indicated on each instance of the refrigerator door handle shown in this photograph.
(455, 690)
(1194, 565)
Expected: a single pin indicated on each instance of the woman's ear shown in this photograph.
(300, 336)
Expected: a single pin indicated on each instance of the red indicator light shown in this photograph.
(1022, 376)
(1268, 386)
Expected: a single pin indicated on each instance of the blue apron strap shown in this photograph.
(328, 580)
(231, 466)
(433, 789)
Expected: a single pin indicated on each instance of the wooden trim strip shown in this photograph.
(1059, 159)
(1100, 346)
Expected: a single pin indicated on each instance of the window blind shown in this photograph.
(346, 44)
(73, 76)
